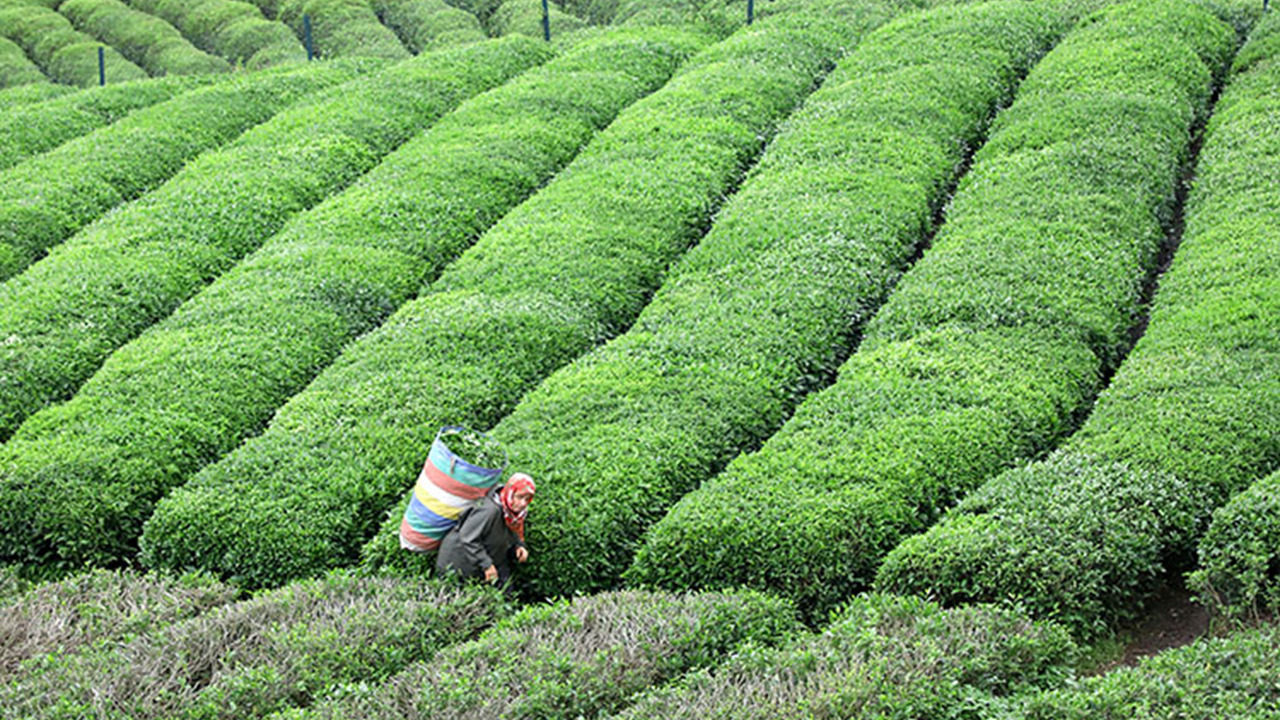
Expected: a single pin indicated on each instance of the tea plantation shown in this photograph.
(872, 358)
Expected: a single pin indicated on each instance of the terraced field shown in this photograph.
(875, 358)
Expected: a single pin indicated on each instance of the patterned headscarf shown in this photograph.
(518, 482)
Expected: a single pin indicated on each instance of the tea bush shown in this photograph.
(342, 28)
(428, 24)
(63, 53)
(155, 45)
(525, 17)
(1239, 571)
(15, 68)
(31, 94)
(235, 30)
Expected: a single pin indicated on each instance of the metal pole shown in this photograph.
(102, 65)
(751, 11)
(546, 21)
(306, 36)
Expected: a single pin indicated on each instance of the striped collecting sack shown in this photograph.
(447, 486)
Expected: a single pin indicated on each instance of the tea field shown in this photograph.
(873, 358)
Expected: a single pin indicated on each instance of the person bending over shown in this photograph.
(490, 535)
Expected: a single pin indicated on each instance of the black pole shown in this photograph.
(306, 36)
(751, 11)
(102, 65)
(546, 21)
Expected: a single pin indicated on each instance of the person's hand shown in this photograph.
(521, 554)
(491, 574)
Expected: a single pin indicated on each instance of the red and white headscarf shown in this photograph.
(519, 482)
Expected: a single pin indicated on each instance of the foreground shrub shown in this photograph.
(1239, 571)
(1191, 417)
(428, 24)
(166, 247)
(342, 28)
(152, 43)
(63, 53)
(235, 30)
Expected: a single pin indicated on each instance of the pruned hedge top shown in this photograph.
(63, 53)
(154, 44)
(342, 28)
(235, 30)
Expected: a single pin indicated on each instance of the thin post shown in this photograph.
(751, 11)
(546, 21)
(306, 37)
(102, 65)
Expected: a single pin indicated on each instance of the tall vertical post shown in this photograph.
(546, 21)
(751, 11)
(306, 37)
(102, 65)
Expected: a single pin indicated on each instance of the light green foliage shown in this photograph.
(881, 658)
(279, 650)
(63, 53)
(1239, 571)
(152, 43)
(15, 68)
(525, 17)
(339, 271)
(343, 28)
(1192, 416)
(165, 248)
(573, 659)
(235, 30)
(30, 94)
(39, 128)
(428, 24)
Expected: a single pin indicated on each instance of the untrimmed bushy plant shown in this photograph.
(152, 43)
(428, 24)
(1194, 408)
(235, 30)
(15, 68)
(574, 659)
(281, 649)
(166, 247)
(343, 28)
(63, 53)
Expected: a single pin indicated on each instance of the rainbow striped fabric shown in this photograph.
(446, 487)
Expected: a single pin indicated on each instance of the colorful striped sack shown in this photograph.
(446, 487)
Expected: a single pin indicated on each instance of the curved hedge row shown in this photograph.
(1192, 416)
(167, 247)
(15, 68)
(95, 607)
(990, 343)
(30, 94)
(764, 308)
(152, 43)
(235, 30)
(282, 649)
(1239, 571)
(882, 657)
(427, 24)
(33, 130)
(525, 17)
(573, 659)
(342, 28)
(63, 53)
(329, 276)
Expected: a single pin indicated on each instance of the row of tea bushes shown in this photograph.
(1239, 571)
(15, 68)
(1190, 418)
(64, 54)
(155, 45)
(32, 93)
(992, 343)
(282, 649)
(424, 25)
(525, 17)
(572, 659)
(342, 28)
(232, 29)
(331, 275)
(152, 255)
(35, 129)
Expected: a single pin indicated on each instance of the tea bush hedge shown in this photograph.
(29, 131)
(573, 659)
(1239, 571)
(525, 17)
(342, 28)
(881, 657)
(32, 93)
(428, 24)
(165, 249)
(988, 347)
(63, 53)
(763, 309)
(15, 68)
(281, 649)
(1191, 417)
(234, 30)
(155, 45)
(336, 272)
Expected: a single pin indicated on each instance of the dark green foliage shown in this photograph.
(1193, 414)
(281, 649)
(31, 94)
(235, 30)
(1234, 677)
(96, 607)
(343, 28)
(152, 43)
(763, 310)
(1240, 554)
(63, 53)
(166, 248)
(33, 130)
(881, 658)
(428, 24)
(15, 68)
(341, 270)
(571, 660)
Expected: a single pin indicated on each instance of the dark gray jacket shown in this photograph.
(480, 540)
